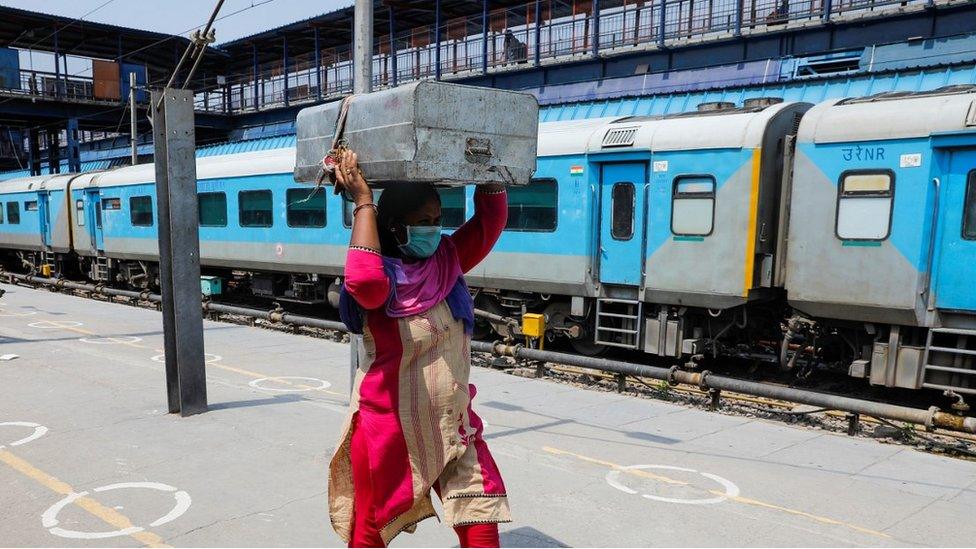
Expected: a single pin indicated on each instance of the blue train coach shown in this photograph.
(881, 257)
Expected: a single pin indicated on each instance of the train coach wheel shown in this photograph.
(587, 347)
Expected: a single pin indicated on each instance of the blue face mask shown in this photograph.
(422, 241)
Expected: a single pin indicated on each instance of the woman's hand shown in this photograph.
(350, 179)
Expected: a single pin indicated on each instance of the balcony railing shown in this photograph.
(505, 40)
(513, 39)
(52, 85)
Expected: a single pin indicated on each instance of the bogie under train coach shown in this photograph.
(839, 235)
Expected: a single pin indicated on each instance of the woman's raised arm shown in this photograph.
(366, 281)
(478, 235)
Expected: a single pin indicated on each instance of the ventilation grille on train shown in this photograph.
(623, 137)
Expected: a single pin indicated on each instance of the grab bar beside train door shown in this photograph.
(929, 278)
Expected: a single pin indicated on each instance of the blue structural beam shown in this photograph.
(53, 151)
(254, 62)
(437, 39)
(662, 19)
(57, 67)
(739, 7)
(34, 151)
(538, 33)
(596, 27)
(318, 65)
(284, 65)
(484, 36)
(393, 50)
(73, 150)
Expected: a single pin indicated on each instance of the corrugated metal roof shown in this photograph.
(721, 76)
(812, 91)
(119, 156)
(265, 144)
(951, 50)
(85, 167)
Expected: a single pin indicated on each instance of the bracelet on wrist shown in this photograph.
(364, 249)
(365, 205)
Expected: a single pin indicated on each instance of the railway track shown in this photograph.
(948, 432)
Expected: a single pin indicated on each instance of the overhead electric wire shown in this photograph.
(69, 24)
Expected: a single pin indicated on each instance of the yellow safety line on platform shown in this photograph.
(106, 514)
(635, 472)
(90, 333)
(737, 499)
(258, 375)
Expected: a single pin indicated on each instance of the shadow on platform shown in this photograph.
(526, 536)
(556, 421)
(279, 399)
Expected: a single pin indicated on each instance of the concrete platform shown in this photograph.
(89, 456)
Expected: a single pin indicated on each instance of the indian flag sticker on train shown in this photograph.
(576, 171)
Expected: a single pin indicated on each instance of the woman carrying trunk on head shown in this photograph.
(411, 427)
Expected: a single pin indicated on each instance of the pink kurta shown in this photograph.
(411, 395)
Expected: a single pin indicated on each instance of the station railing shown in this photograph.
(497, 41)
(52, 85)
(510, 39)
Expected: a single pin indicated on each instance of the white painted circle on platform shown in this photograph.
(4, 312)
(322, 384)
(207, 357)
(50, 517)
(730, 489)
(54, 324)
(39, 431)
(118, 340)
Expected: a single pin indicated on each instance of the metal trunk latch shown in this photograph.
(477, 150)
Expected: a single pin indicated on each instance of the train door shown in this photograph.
(44, 215)
(957, 212)
(93, 212)
(622, 222)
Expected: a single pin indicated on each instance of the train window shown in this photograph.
(13, 213)
(141, 211)
(80, 212)
(111, 204)
(212, 208)
(1, 212)
(30, 206)
(533, 207)
(452, 207)
(255, 208)
(693, 205)
(622, 212)
(969, 214)
(864, 205)
(306, 207)
(347, 208)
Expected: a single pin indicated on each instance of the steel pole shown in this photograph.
(363, 47)
(179, 250)
(132, 118)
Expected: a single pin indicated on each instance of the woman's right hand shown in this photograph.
(350, 179)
